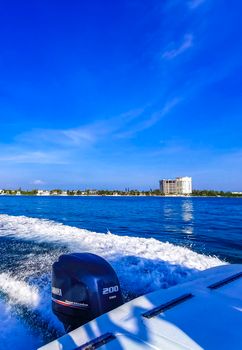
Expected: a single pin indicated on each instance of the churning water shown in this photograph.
(151, 243)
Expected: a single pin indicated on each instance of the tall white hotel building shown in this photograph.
(179, 186)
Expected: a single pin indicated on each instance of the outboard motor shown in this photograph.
(84, 286)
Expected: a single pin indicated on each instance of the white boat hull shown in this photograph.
(205, 313)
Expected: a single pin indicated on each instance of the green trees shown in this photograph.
(126, 192)
(56, 191)
(213, 193)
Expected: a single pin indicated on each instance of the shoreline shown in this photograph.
(116, 196)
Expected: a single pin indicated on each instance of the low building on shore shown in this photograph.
(178, 186)
(64, 193)
(43, 193)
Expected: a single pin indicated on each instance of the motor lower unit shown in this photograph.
(84, 286)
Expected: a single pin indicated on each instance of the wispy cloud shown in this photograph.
(55, 141)
(15, 155)
(82, 136)
(73, 146)
(150, 120)
(177, 50)
(195, 3)
(38, 182)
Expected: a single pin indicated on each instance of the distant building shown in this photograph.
(93, 192)
(168, 186)
(178, 186)
(43, 193)
(64, 193)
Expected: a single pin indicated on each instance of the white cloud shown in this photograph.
(38, 182)
(186, 44)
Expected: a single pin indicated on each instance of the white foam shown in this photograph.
(142, 264)
(34, 297)
(19, 291)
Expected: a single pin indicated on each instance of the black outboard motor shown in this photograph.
(84, 286)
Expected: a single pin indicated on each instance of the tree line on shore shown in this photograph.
(126, 192)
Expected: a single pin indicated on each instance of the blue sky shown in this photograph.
(115, 94)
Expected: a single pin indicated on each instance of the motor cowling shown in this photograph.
(84, 286)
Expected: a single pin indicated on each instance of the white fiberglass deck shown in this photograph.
(200, 314)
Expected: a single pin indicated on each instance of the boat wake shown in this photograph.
(142, 265)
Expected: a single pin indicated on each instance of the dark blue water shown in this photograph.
(212, 226)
